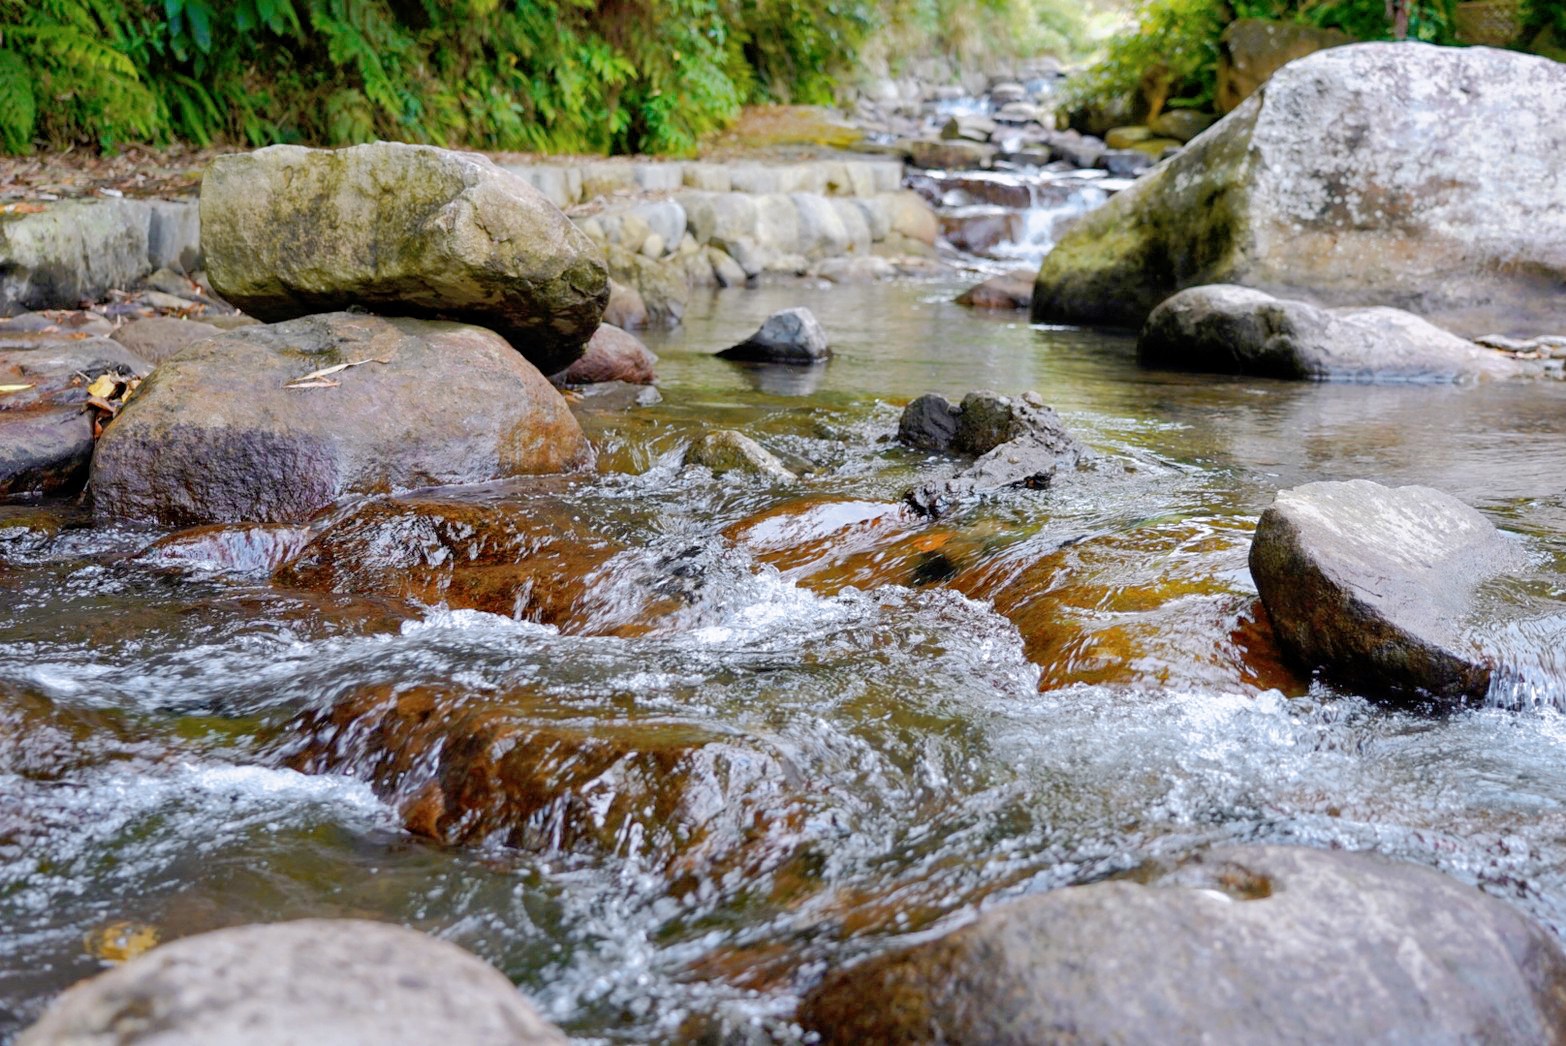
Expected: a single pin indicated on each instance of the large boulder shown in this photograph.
(46, 426)
(1259, 944)
(1372, 585)
(1405, 175)
(1234, 330)
(346, 981)
(1252, 49)
(406, 229)
(236, 429)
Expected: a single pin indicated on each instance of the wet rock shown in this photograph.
(1252, 49)
(407, 229)
(928, 423)
(1079, 150)
(1010, 290)
(1371, 584)
(788, 336)
(612, 355)
(948, 155)
(1314, 189)
(1126, 163)
(46, 429)
(911, 217)
(969, 127)
(258, 549)
(854, 270)
(626, 309)
(729, 451)
(1016, 441)
(347, 981)
(466, 767)
(614, 397)
(1181, 124)
(661, 284)
(980, 231)
(1125, 137)
(216, 436)
(72, 251)
(1242, 944)
(531, 559)
(1233, 330)
(156, 338)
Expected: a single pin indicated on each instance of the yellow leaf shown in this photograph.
(120, 941)
(104, 387)
(315, 379)
(14, 388)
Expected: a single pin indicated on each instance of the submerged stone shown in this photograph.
(235, 429)
(404, 229)
(344, 981)
(1241, 944)
(1371, 585)
(727, 451)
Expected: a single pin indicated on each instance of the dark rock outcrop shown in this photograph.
(1316, 188)
(1371, 584)
(788, 336)
(1234, 330)
(1242, 944)
(345, 981)
(229, 431)
(409, 230)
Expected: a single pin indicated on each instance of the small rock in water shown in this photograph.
(1010, 290)
(344, 981)
(1243, 944)
(789, 336)
(928, 423)
(1371, 584)
(612, 355)
(729, 451)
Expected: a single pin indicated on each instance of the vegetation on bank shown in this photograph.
(546, 75)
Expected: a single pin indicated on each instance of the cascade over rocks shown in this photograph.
(405, 229)
(1374, 174)
(1241, 944)
(215, 435)
(787, 336)
(1234, 330)
(1371, 584)
(344, 981)
(46, 428)
(1016, 442)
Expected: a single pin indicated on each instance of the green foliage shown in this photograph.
(555, 75)
(1180, 39)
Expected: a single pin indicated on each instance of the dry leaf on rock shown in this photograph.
(316, 379)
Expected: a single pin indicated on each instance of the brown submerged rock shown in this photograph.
(348, 982)
(1261, 944)
(408, 230)
(533, 560)
(470, 767)
(215, 436)
(1371, 584)
(1010, 290)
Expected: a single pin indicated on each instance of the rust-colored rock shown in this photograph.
(611, 355)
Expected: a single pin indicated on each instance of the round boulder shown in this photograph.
(1243, 944)
(612, 355)
(269, 424)
(345, 981)
(788, 336)
(1372, 583)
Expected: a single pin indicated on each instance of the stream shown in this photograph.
(896, 721)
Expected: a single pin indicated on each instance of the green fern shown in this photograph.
(18, 106)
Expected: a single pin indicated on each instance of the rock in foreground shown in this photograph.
(1371, 584)
(1323, 186)
(1257, 944)
(1226, 329)
(343, 981)
(217, 435)
(404, 229)
(788, 336)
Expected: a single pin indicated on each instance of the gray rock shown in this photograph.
(73, 251)
(174, 234)
(1259, 944)
(1371, 585)
(1233, 330)
(948, 154)
(1016, 442)
(788, 336)
(970, 127)
(1181, 124)
(1126, 163)
(928, 423)
(626, 309)
(44, 451)
(725, 269)
(156, 338)
(729, 451)
(408, 229)
(1315, 188)
(345, 981)
(1079, 150)
(214, 436)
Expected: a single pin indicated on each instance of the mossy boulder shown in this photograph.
(1361, 175)
(406, 230)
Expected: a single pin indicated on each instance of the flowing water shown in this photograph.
(838, 727)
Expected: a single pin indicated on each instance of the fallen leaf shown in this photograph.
(15, 388)
(312, 380)
(104, 387)
(120, 941)
(103, 404)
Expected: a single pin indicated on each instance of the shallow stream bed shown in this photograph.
(896, 721)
